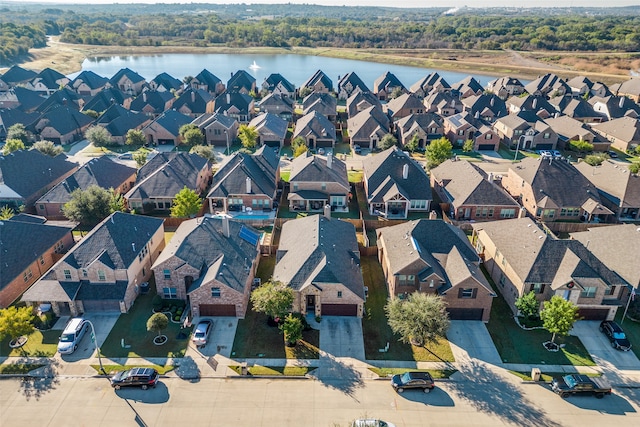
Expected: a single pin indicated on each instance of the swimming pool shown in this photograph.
(252, 216)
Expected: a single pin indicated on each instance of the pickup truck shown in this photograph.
(578, 384)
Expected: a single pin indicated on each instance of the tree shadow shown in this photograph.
(492, 394)
(41, 380)
(338, 375)
(153, 395)
(613, 404)
(187, 369)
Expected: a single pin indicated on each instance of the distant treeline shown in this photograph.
(237, 26)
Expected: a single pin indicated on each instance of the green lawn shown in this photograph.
(377, 332)
(284, 175)
(39, 344)
(355, 176)
(133, 328)
(472, 156)
(515, 345)
(436, 374)
(285, 371)
(265, 268)
(18, 368)
(632, 329)
(109, 369)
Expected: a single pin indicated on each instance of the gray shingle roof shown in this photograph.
(167, 81)
(270, 127)
(359, 101)
(312, 168)
(315, 124)
(130, 74)
(386, 82)
(240, 80)
(353, 79)
(195, 100)
(104, 99)
(276, 79)
(152, 98)
(316, 250)
(319, 76)
(366, 123)
(17, 74)
(624, 128)
(118, 120)
(171, 121)
(614, 181)
(91, 79)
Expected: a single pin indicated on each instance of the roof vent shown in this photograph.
(133, 247)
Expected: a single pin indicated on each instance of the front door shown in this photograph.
(311, 303)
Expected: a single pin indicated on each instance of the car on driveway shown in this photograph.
(201, 332)
(612, 154)
(135, 377)
(408, 380)
(616, 335)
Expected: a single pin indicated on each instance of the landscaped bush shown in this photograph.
(157, 302)
(44, 321)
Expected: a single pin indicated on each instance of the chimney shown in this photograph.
(433, 215)
(621, 103)
(327, 211)
(193, 96)
(228, 98)
(144, 96)
(133, 247)
(490, 178)
(534, 104)
(405, 171)
(225, 226)
(247, 183)
(329, 160)
(522, 213)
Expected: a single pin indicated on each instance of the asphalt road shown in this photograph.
(477, 399)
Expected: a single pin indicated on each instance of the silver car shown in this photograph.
(201, 332)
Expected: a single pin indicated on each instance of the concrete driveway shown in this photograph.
(341, 336)
(470, 339)
(102, 322)
(599, 347)
(220, 339)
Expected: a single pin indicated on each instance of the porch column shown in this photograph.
(211, 206)
(406, 208)
(386, 209)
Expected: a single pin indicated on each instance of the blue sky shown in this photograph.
(403, 3)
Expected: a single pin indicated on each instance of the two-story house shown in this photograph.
(316, 181)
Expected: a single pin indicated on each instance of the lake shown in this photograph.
(295, 68)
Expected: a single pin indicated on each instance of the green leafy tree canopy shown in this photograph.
(292, 328)
(6, 213)
(528, 305)
(135, 137)
(248, 136)
(15, 322)
(140, 157)
(388, 141)
(99, 136)
(413, 144)
(558, 316)
(157, 323)
(468, 145)
(48, 148)
(438, 151)
(186, 204)
(89, 206)
(12, 145)
(272, 298)
(419, 319)
(18, 131)
(204, 151)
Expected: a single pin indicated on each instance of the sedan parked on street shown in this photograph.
(201, 332)
(616, 335)
(420, 380)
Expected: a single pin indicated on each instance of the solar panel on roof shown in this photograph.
(249, 236)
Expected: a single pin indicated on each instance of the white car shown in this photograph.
(201, 332)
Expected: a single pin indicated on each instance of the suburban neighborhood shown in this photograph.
(327, 231)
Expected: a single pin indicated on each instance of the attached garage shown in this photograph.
(544, 147)
(96, 306)
(593, 313)
(487, 147)
(465, 313)
(339, 309)
(218, 310)
(272, 143)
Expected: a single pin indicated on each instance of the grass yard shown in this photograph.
(285, 371)
(18, 368)
(284, 175)
(377, 332)
(110, 369)
(39, 344)
(515, 345)
(436, 374)
(255, 338)
(265, 268)
(355, 176)
(168, 235)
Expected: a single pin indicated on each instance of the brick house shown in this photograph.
(623, 133)
(316, 181)
(318, 258)
(210, 263)
(434, 257)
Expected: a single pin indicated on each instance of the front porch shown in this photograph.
(396, 209)
(315, 201)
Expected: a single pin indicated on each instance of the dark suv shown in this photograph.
(616, 335)
(142, 377)
(421, 380)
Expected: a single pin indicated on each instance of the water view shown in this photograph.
(295, 68)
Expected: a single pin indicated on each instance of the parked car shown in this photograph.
(408, 380)
(371, 423)
(320, 150)
(545, 154)
(556, 154)
(357, 149)
(201, 332)
(616, 335)
(580, 384)
(612, 154)
(134, 377)
(72, 335)
(125, 156)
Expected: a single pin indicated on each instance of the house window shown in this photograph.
(467, 293)
(507, 213)
(24, 276)
(537, 288)
(418, 204)
(42, 260)
(339, 294)
(67, 274)
(323, 186)
(85, 273)
(488, 136)
(101, 276)
(170, 293)
(167, 274)
(589, 292)
(41, 207)
(461, 132)
(406, 280)
(547, 135)
(611, 291)
(503, 279)
(215, 292)
(295, 186)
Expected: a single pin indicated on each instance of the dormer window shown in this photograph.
(102, 276)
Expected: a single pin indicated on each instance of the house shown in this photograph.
(425, 127)
(207, 81)
(537, 104)
(165, 129)
(403, 106)
(318, 82)
(569, 129)
(578, 109)
(272, 130)
(218, 129)
(276, 84)
(316, 130)
(442, 103)
(471, 194)
(194, 103)
(432, 82)
(554, 190)
(100, 171)
(61, 125)
(24, 260)
(505, 87)
(580, 86)
(630, 89)
(386, 84)
(164, 82)
(617, 246)
(237, 105)
(106, 98)
(211, 263)
(526, 131)
(104, 271)
(395, 184)
(128, 81)
(152, 102)
(433, 257)
(61, 97)
(10, 117)
(487, 107)
(318, 258)
(241, 82)
(467, 87)
(316, 181)
(162, 177)
(17, 75)
(547, 85)
(321, 102)
(360, 101)
(22, 185)
(280, 105)
(47, 82)
(615, 107)
(20, 97)
(619, 189)
(245, 182)
(349, 84)
(118, 121)
(368, 127)
(522, 258)
(623, 133)
(88, 83)
(462, 127)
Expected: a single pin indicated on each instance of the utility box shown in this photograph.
(535, 374)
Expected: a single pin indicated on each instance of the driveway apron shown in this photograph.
(599, 347)
(341, 336)
(470, 339)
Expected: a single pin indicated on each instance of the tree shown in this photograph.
(305, 91)
(91, 113)
(12, 145)
(117, 203)
(140, 157)
(272, 298)
(299, 146)
(581, 146)
(419, 319)
(15, 322)
(438, 151)
(248, 136)
(637, 150)
(89, 206)
(292, 329)
(388, 141)
(528, 305)
(157, 322)
(48, 148)
(193, 137)
(204, 151)
(396, 92)
(634, 167)
(413, 143)
(595, 159)
(135, 137)
(18, 131)
(186, 204)
(468, 146)
(6, 213)
(98, 136)
(558, 316)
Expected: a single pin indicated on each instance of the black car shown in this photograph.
(141, 377)
(421, 380)
(616, 335)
